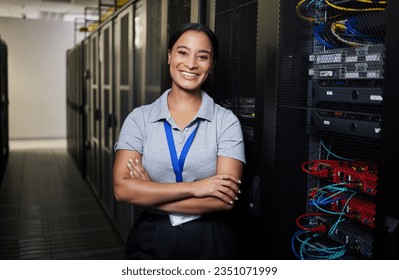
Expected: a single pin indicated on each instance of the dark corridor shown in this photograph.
(47, 211)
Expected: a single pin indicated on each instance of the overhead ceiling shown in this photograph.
(65, 10)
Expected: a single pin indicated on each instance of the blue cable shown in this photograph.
(293, 243)
(351, 25)
(333, 187)
(320, 28)
(330, 232)
(331, 153)
(306, 248)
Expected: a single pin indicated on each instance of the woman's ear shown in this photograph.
(169, 54)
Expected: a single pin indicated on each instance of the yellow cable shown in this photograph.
(340, 25)
(353, 9)
(372, 2)
(297, 9)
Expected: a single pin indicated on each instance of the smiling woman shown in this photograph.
(180, 159)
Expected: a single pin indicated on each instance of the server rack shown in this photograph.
(137, 76)
(75, 103)
(107, 116)
(329, 119)
(93, 174)
(4, 141)
(387, 216)
(124, 214)
(244, 80)
(71, 83)
(142, 18)
(86, 109)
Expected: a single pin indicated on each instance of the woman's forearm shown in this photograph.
(195, 206)
(147, 193)
(143, 192)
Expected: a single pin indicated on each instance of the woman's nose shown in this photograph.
(191, 62)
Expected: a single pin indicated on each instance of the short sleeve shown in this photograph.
(132, 132)
(230, 140)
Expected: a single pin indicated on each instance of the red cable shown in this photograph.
(321, 228)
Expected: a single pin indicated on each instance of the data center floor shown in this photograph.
(48, 211)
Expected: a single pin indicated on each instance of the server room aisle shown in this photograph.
(47, 210)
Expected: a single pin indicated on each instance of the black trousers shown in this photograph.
(210, 237)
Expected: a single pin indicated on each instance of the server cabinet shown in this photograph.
(329, 118)
(77, 102)
(72, 84)
(147, 50)
(69, 85)
(87, 109)
(124, 214)
(137, 75)
(139, 51)
(387, 216)
(123, 57)
(4, 141)
(93, 174)
(244, 81)
(107, 117)
(81, 101)
(235, 88)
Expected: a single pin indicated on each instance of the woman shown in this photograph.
(180, 159)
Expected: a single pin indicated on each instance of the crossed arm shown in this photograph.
(133, 185)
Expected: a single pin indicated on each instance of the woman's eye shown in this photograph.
(182, 52)
(203, 57)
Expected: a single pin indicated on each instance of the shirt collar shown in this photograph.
(161, 110)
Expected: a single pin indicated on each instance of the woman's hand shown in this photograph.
(224, 187)
(136, 170)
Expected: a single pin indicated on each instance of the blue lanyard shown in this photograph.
(178, 163)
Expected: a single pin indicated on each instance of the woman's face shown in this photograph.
(190, 60)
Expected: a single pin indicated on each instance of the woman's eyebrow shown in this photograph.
(187, 48)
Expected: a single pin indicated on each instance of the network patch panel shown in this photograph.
(349, 70)
(365, 53)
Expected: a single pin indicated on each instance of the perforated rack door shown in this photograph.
(328, 126)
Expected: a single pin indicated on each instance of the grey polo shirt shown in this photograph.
(219, 134)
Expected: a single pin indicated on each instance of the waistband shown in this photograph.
(219, 215)
(155, 211)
